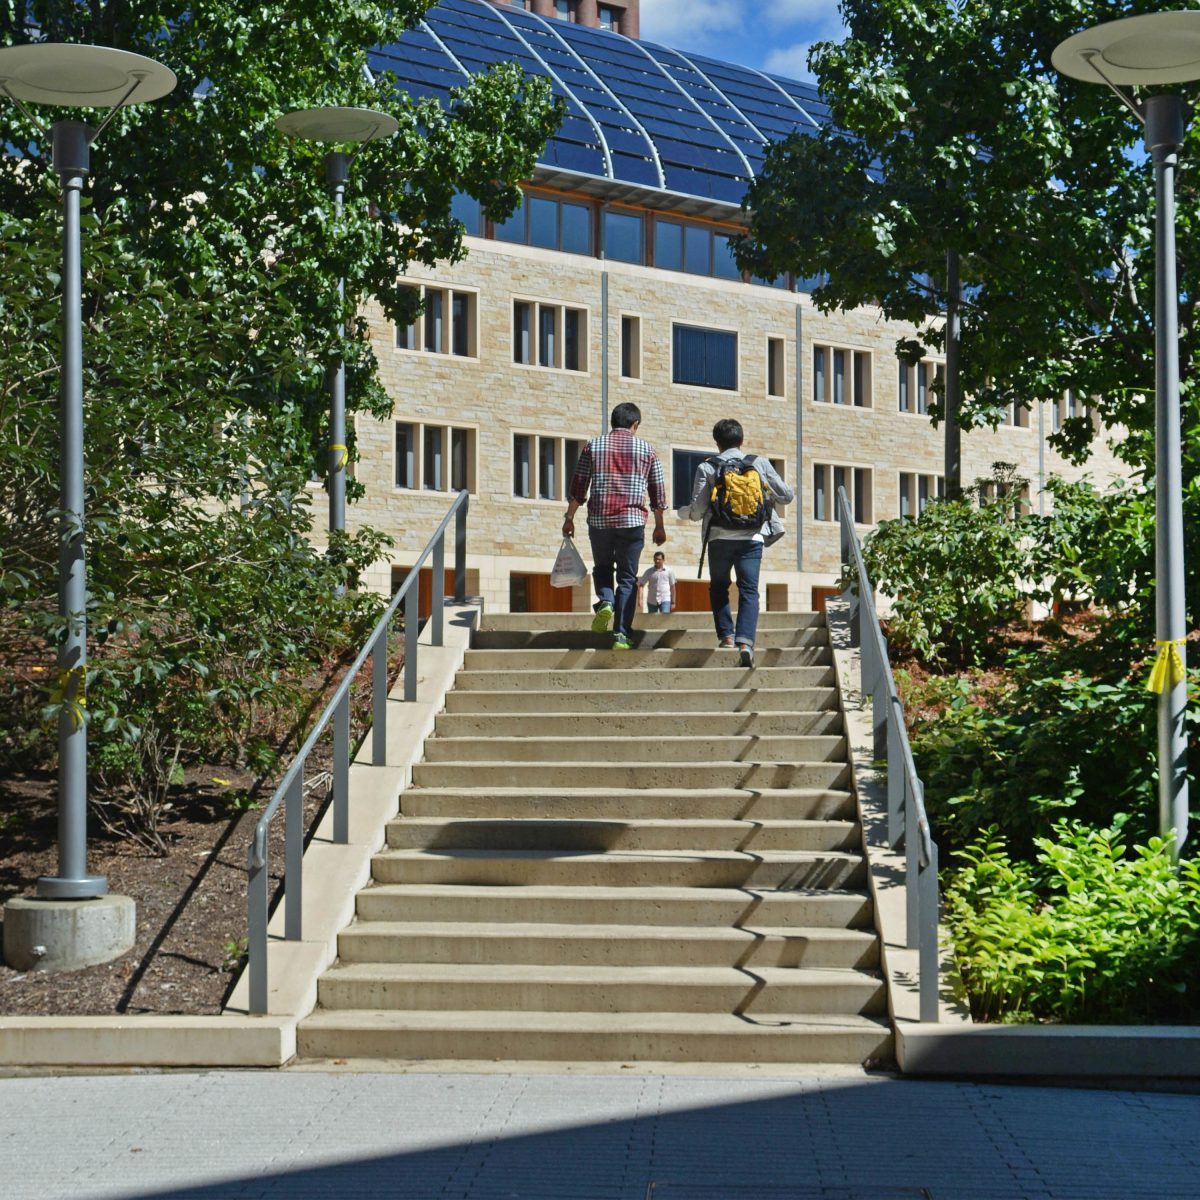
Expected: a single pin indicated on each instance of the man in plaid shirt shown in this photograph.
(619, 468)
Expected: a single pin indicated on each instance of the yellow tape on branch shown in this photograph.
(343, 458)
(1167, 671)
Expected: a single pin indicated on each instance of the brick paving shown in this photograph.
(842, 1136)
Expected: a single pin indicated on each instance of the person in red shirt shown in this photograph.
(618, 469)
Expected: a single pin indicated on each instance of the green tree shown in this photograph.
(951, 131)
(210, 315)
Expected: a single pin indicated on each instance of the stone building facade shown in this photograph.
(599, 291)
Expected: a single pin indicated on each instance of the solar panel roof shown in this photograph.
(639, 115)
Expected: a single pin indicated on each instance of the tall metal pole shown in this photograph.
(952, 433)
(1166, 118)
(72, 161)
(337, 171)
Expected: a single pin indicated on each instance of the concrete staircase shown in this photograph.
(618, 856)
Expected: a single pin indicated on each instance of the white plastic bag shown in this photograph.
(569, 568)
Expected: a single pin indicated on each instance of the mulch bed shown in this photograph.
(191, 904)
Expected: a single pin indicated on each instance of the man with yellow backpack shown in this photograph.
(736, 496)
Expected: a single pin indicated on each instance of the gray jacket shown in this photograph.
(700, 508)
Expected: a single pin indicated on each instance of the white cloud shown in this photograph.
(818, 14)
(681, 22)
(789, 61)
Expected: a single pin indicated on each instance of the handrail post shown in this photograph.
(256, 942)
(460, 549)
(379, 688)
(293, 841)
(341, 771)
(411, 629)
(881, 692)
(439, 591)
(927, 885)
(912, 874)
(897, 788)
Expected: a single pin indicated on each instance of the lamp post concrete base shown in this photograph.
(65, 935)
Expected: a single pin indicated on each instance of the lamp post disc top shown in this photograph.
(81, 76)
(337, 124)
(1162, 47)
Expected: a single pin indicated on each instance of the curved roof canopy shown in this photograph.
(643, 122)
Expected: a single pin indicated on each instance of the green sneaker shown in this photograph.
(621, 642)
(602, 619)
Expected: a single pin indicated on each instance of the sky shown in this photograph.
(773, 35)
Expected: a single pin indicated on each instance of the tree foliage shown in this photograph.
(950, 129)
(211, 310)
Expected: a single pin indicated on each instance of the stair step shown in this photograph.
(643, 699)
(624, 724)
(621, 679)
(607, 659)
(642, 639)
(639, 908)
(604, 1037)
(630, 869)
(524, 987)
(606, 945)
(694, 748)
(753, 775)
(648, 621)
(627, 804)
(598, 836)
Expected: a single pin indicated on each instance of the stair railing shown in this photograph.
(290, 791)
(905, 792)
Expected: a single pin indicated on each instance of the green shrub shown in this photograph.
(954, 576)
(1086, 933)
(1069, 731)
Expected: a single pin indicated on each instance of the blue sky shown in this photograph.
(773, 35)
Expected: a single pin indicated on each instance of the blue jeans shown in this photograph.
(656, 606)
(744, 558)
(617, 551)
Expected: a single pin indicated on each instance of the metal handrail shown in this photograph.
(291, 787)
(906, 793)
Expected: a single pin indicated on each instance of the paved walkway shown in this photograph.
(843, 1136)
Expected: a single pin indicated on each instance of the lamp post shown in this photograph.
(345, 125)
(74, 76)
(1158, 48)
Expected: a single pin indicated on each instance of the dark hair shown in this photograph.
(625, 416)
(727, 433)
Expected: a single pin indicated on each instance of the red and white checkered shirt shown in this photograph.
(619, 469)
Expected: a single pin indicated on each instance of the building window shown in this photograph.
(994, 492)
(1068, 407)
(549, 223)
(683, 471)
(562, 10)
(704, 357)
(723, 264)
(916, 491)
(467, 209)
(694, 249)
(631, 347)
(434, 458)
(446, 326)
(406, 454)
(841, 376)
(775, 367)
(828, 478)
(916, 384)
(624, 237)
(1017, 415)
(549, 335)
(543, 465)
(609, 18)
